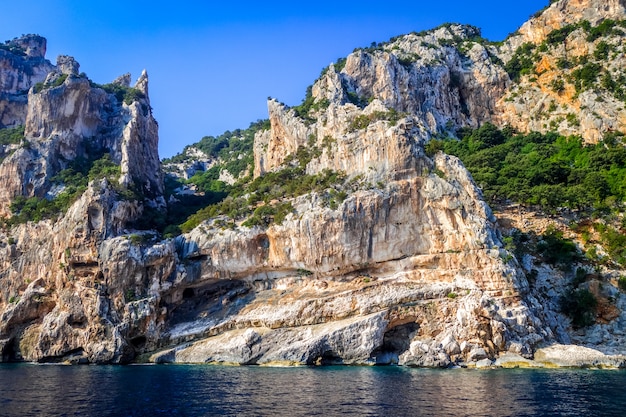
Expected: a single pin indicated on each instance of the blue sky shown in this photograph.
(212, 65)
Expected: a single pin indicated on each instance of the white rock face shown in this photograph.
(25, 66)
(433, 89)
(547, 99)
(570, 356)
(421, 256)
(408, 269)
(22, 65)
(141, 166)
(73, 119)
(348, 341)
(565, 12)
(73, 291)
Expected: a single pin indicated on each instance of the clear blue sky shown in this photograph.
(212, 65)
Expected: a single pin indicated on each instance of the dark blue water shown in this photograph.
(32, 390)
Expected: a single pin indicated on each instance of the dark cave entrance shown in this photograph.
(396, 341)
(188, 293)
(326, 359)
(138, 342)
(10, 351)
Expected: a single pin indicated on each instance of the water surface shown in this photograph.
(183, 390)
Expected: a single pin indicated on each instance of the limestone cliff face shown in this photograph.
(551, 96)
(141, 166)
(409, 274)
(405, 91)
(69, 285)
(73, 120)
(566, 12)
(22, 65)
(414, 262)
(407, 267)
(409, 271)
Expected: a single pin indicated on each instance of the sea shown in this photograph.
(204, 390)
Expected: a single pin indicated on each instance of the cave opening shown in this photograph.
(10, 351)
(327, 358)
(138, 342)
(396, 341)
(188, 293)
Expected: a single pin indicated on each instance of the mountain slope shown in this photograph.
(337, 233)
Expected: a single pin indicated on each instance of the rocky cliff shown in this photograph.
(55, 297)
(22, 65)
(347, 243)
(568, 66)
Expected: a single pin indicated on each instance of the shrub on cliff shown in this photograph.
(557, 250)
(580, 305)
(522, 62)
(255, 198)
(548, 170)
(39, 87)
(74, 179)
(122, 93)
(11, 136)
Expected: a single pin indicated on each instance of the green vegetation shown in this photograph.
(602, 51)
(11, 136)
(579, 304)
(15, 50)
(233, 149)
(607, 232)
(557, 250)
(269, 213)
(39, 87)
(257, 198)
(522, 62)
(138, 239)
(182, 206)
(309, 103)
(606, 28)
(613, 241)
(408, 60)
(304, 273)
(208, 181)
(547, 170)
(586, 76)
(587, 71)
(550, 171)
(130, 295)
(74, 179)
(259, 201)
(357, 100)
(558, 86)
(558, 36)
(364, 120)
(233, 152)
(122, 93)
(551, 246)
(340, 64)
